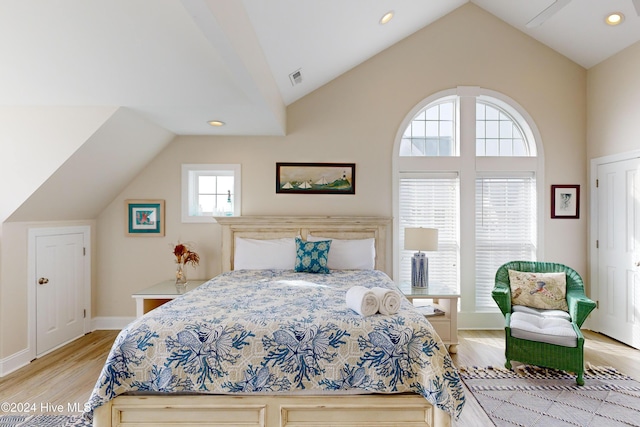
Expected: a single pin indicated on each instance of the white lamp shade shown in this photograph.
(421, 239)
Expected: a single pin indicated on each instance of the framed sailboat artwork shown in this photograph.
(316, 178)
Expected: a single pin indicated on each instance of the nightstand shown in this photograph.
(443, 298)
(160, 293)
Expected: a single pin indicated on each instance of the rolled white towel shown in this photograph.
(362, 300)
(389, 300)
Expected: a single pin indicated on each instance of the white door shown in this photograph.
(59, 290)
(618, 253)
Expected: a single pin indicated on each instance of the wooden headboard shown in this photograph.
(273, 227)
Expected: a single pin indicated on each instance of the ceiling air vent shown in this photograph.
(296, 77)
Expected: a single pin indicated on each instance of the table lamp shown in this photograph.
(420, 239)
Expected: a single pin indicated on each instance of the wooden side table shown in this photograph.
(443, 298)
(160, 293)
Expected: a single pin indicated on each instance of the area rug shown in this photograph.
(532, 396)
(43, 420)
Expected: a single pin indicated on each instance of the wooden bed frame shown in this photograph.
(407, 409)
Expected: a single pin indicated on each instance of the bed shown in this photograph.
(230, 353)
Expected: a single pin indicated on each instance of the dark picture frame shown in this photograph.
(144, 217)
(565, 201)
(316, 178)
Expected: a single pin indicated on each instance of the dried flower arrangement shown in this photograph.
(184, 255)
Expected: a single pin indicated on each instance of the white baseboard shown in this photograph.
(110, 323)
(15, 362)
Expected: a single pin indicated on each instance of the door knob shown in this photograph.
(43, 280)
(637, 263)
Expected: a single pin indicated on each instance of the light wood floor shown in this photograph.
(67, 376)
(64, 377)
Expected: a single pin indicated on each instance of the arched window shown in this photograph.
(431, 132)
(497, 133)
(467, 163)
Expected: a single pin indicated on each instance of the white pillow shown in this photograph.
(355, 254)
(268, 254)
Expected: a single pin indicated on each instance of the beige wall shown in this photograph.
(613, 128)
(614, 104)
(355, 119)
(352, 119)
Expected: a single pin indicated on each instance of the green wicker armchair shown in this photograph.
(569, 359)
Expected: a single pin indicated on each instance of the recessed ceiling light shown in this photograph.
(216, 123)
(614, 18)
(386, 17)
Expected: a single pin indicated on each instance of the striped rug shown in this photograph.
(533, 396)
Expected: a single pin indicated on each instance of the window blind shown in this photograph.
(431, 200)
(505, 228)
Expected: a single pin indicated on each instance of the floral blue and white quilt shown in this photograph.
(278, 331)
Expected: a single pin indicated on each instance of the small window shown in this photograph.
(209, 191)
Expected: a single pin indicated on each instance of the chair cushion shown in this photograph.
(547, 291)
(544, 313)
(541, 328)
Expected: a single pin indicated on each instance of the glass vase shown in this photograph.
(181, 277)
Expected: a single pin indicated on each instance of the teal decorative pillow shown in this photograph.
(311, 257)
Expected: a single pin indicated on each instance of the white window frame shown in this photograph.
(189, 174)
(468, 165)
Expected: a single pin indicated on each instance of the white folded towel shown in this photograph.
(362, 300)
(389, 300)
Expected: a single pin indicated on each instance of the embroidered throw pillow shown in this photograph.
(547, 291)
(311, 257)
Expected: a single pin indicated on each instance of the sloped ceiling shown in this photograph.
(182, 63)
(97, 171)
(35, 142)
(168, 67)
(176, 63)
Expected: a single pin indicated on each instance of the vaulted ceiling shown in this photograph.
(182, 63)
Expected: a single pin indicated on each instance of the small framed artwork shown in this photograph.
(565, 201)
(316, 178)
(144, 217)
